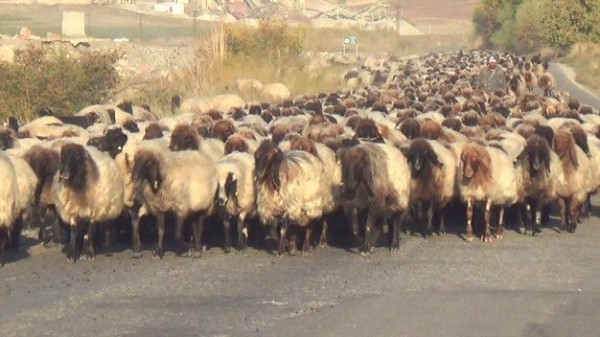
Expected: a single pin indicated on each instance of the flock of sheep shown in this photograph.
(396, 152)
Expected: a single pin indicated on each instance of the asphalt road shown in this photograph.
(520, 286)
(564, 83)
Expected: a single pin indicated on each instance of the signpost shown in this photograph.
(348, 40)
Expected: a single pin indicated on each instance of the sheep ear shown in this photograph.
(573, 155)
(231, 185)
(434, 159)
(406, 153)
(276, 167)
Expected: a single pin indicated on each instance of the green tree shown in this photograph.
(486, 20)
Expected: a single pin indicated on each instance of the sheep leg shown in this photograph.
(441, 215)
(470, 219)
(538, 215)
(135, 234)
(395, 231)
(15, 234)
(500, 230)
(196, 251)
(160, 224)
(323, 238)
(89, 241)
(354, 219)
(181, 246)
(3, 239)
(282, 238)
(242, 232)
(306, 247)
(293, 240)
(227, 229)
(586, 206)
(525, 216)
(562, 202)
(487, 235)
(369, 234)
(73, 251)
(574, 215)
(545, 215)
(430, 218)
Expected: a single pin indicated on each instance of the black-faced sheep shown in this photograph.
(186, 137)
(87, 190)
(182, 182)
(376, 189)
(533, 164)
(432, 185)
(236, 195)
(290, 189)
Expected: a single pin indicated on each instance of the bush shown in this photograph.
(56, 79)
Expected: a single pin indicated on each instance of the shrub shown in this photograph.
(57, 79)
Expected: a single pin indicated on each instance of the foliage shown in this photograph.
(523, 25)
(56, 79)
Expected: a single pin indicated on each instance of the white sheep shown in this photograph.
(183, 182)
(486, 174)
(87, 189)
(8, 201)
(290, 189)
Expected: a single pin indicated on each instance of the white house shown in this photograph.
(170, 7)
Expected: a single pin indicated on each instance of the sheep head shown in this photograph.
(146, 169)
(267, 158)
(7, 138)
(222, 129)
(301, 143)
(112, 142)
(564, 146)
(411, 128)
(235, 143)
(153, 131)
(537, 154)
(421, 157)
(74, 166)
(184, 137)
(475, 161)
(227, 189)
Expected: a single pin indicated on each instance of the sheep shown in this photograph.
(573, 188)
(432, 184)
(226, 102)
(331, 171)
(50, 127)
(185, 137)
(534, 166)
(182, 182)
(236, 195)
(486, 174)
(375, 189)
(83, 121)
(26, 185)
(8, 201)
(86, 190)
(275, 92)
(547, 83)
(290, 189)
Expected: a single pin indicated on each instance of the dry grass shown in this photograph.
(585, 59)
